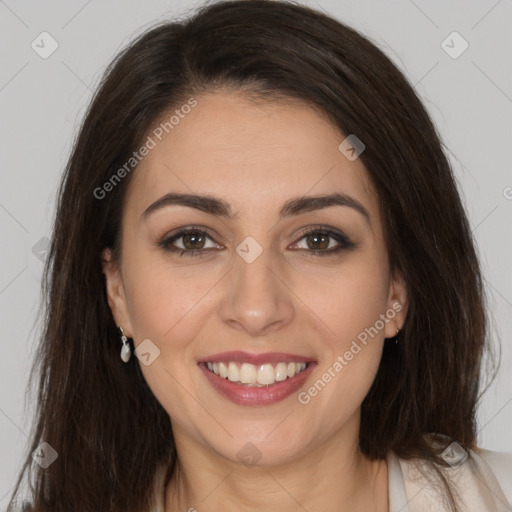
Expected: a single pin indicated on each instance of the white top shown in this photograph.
(483, 479)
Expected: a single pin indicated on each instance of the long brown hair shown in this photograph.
(108, 429)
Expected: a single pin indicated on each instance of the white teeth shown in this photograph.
(281, 371)
(248, 374)
(223, 370)
(266, 374)
(258, 376)
(233, 373)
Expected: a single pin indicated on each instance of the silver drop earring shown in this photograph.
(126, 352)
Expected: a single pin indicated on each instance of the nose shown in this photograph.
(258, 299)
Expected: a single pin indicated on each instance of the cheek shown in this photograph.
(340, 390)
(351, 353)
(352, 307)
(159, 296)
(345, 299)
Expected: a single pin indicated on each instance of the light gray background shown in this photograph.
(43, 100)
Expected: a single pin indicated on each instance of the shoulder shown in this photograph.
(481, 479)
(501, 465)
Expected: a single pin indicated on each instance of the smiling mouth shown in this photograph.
(257, 376)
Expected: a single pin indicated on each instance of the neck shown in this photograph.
(332, 476)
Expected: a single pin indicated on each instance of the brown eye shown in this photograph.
(188, 241)
(193, 240)
(319, 242)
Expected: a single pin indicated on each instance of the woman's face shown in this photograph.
(254, 284)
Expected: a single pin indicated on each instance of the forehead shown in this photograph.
(253, 155)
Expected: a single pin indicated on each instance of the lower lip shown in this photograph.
(245, 395)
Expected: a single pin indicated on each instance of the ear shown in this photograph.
(397, 305)
(115, 292)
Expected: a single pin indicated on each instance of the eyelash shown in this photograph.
(342, 239)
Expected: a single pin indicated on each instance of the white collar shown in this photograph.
(398, 501)
(483, 480)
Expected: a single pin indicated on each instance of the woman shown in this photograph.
(263, 292)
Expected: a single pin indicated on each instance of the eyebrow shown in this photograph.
(220, 208)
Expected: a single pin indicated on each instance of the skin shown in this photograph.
(256, 156)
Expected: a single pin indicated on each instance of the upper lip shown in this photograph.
(256, 359)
